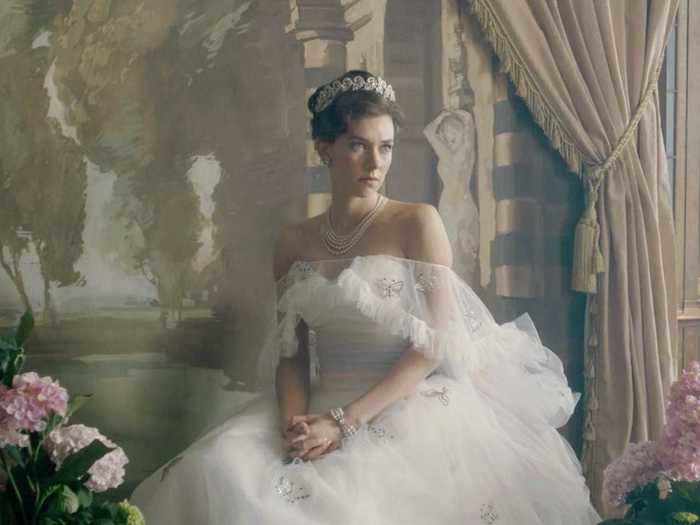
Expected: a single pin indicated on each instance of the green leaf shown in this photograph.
(62, 501)
(11, 363)
(76, 465)
(53, 421)
(684, 517)
(21, 477)
(44, 467)
(5, 356)
(15, 454)
(7, 515)
(26, 325)
(689, 490)
(75, 403)
(5, 377)
(67, 500)
(85, 497)
(7, 343)
(17, 364)
(104, 513)
(106, 510)
(52, 520)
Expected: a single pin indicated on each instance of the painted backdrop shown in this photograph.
(151, 150)
(146, 161)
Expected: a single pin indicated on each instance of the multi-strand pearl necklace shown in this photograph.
(341, 244)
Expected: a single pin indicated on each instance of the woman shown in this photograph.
(398, 398)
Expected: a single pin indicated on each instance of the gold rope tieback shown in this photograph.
(588, 258)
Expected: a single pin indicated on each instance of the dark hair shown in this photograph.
(334, 120)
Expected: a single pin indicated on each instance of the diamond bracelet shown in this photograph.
(347, 429)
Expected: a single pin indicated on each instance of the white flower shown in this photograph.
(106, 473)
(665, 488)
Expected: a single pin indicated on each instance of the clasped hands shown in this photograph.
(310, 436)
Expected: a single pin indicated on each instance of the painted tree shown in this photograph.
(57, 219)
(141, 111)
(44, 183)
(202, 77)
(19, 20)
(43, 172)
(171, 227)
(101, 75)
(13, 245)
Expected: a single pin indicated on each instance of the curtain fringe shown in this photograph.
(588, 258)
(512, 64)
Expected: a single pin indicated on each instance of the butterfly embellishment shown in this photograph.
(389, 288)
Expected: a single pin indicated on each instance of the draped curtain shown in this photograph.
(588, 73)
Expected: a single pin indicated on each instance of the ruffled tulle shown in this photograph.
(434, 312)
(476, 443)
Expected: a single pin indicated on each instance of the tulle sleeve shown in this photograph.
(281, 334)
(426, 304)
(437, 314)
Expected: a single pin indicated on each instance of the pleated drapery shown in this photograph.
(588, 73)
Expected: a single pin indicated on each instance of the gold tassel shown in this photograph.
(599, 259)
(583, 278)
(589, 433)
(588, 260)
(593, 339)
(593, 306)
(593, 404)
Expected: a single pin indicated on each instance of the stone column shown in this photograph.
(321, 28)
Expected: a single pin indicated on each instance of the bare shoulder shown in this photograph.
(423, 233)
(291, 244)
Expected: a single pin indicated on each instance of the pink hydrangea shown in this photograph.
(638, 466)
(106, 473)
(27, 405)
(680, 444)
(12, 437)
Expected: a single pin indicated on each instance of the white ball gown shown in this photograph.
(476, 443)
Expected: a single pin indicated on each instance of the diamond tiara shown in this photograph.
(332, 90)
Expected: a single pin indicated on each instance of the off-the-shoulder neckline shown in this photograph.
(316, 262)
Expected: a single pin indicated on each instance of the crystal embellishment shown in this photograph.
(488, 513)
(304, 269)
(298, 271)
(443, 394)
(379, 432)
(425, 283)
(389, 288)
(290, 491)
(473, 321)
(330, 91)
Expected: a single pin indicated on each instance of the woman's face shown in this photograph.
(360, 158)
